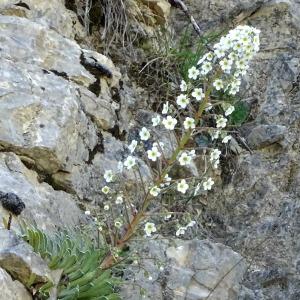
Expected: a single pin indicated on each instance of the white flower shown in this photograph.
(87, 213)
(215, 154)
(130, 162)
(232, 56)
(198, 94)
(150, 278)
(119, 200)
(219, 53)
(229, 110)
(226, 65)
(100, 228)
(167, 217)
(216, 164)
(184, 159)
(169, 123)
(209, 56)
(155, 121)
(202, 59)
(180, 231)
(165, 108)
(161, 268)
(182, 186)
(132, 146)
(191, 224)
(106, 207)
(226, 139)
(218, 84)
(221, 122)
(241, 64)
(182, 101)
(233, 90)
(206, 67)
(167, 178)
(149, 228)
(118, 224)
(153, 154)
(189, 123)
(108, 176)
(207, 185)
(193, 73)
(155, 191)
(105, 189)
(144, 134)
(183, 86)
(192, 153)
(215, 135)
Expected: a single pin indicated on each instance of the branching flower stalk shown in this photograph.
(219, 70)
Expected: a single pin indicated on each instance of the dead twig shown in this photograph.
(181, 5)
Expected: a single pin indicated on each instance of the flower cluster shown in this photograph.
(218, 71)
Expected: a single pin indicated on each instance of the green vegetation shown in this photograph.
(240, 114)
(79, 261)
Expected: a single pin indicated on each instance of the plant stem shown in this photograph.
(109, 261)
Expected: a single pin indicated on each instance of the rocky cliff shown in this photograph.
(65, 114)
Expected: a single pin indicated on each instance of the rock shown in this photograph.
(191, 270)
(41, 96)
(265, 135)
(160, 8)
(18, 258)
(102, 110)
(46, 207)
(52, 14)
(257, 213)
(87, 180)
(202, 269)
(12, 289)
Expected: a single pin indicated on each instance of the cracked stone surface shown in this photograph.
(191, 270)
(256, 211)
(18, 258)
(12, 289)
(41, 105)
(46, 207)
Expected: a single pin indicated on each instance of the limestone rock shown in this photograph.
(46, 207)
(265, 135)
(45, 100)
(257, 213)
(87, 180)
(160, 8)
(18, 258)
(52, 14)
(12, 289)
(191, 270)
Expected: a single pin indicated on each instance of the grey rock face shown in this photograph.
(257, 213)
(87, 180)
(44, 206)
(52, 14)
(191, 270)
(265, 135)
(17, 258)
(12, 289)
(44, 115)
